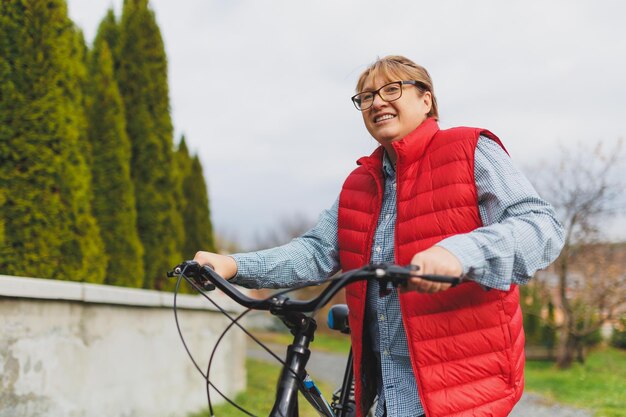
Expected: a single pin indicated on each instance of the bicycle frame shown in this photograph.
(293, 377)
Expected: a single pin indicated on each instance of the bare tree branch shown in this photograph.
(586, 189)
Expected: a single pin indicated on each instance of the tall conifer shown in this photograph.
(197, 212)
(46, 209)
(114, 198)
(109, 31)
(142, 78)
(181, 167)
(195, 207)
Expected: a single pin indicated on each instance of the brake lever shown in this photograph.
(394, 275)
(193, 270)
(398, 276)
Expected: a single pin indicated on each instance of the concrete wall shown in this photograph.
(81, 350)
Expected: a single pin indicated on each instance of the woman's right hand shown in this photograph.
(222, 264)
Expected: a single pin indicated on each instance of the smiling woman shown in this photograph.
(396, 68)
(396, 113)
(449, 202)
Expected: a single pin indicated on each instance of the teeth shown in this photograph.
(384, 117)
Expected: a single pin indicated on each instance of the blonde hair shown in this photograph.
(397, 68)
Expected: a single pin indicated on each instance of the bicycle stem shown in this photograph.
(298, 353)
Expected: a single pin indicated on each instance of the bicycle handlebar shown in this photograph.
(386, 273)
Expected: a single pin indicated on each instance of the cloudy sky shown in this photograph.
(261, 88)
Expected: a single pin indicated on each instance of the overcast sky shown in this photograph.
(261, 88)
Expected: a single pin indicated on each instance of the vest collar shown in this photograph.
(412, 145)
(415, 143)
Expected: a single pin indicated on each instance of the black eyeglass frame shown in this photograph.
(418, 84)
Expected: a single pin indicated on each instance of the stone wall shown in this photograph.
(82, 350)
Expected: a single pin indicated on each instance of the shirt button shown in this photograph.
(378, 249)
(394, 185)
(381, 317)
(386, 352)
(387, 216)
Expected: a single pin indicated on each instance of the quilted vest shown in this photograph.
(466, 343)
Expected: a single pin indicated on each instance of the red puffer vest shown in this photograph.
(466, 343)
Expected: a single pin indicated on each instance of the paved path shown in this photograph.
(330, 367)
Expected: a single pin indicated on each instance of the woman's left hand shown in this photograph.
(435, 260)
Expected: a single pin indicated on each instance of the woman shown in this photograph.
(450, 202)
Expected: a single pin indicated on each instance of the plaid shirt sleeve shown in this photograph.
(520, 234)
(310, 258)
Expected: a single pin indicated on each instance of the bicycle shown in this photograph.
(294, 377)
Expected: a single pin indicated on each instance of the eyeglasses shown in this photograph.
(388, 92)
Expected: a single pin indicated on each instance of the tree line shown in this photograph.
(92, 187)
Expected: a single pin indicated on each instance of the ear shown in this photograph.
(427, 99)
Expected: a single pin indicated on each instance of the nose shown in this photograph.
(378, 101)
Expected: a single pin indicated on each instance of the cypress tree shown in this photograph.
(142, 78)
(48, 225)
(84, 247)
(195, 208)
(181, 162)
(201, 236)
(3, 189)
(114, 199)
(109, 32)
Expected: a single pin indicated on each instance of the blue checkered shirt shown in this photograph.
(520, 235)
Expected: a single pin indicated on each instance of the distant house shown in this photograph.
(596, 283)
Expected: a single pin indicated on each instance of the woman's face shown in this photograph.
(388, 122)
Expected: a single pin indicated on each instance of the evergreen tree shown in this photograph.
(109, 32)
(182, 160)
(195, 207)
(201, 236)
(114, 199)
(49, 230)
(3, 190)
(142, 78)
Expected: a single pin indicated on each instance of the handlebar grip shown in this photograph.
(447, 279)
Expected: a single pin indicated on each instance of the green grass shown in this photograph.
(258, 399)
(598, 385)
(323, 342)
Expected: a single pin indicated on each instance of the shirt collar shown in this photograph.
(389, 168)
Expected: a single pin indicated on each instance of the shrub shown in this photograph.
(618, 338)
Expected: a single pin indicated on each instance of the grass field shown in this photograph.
(598, 385)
